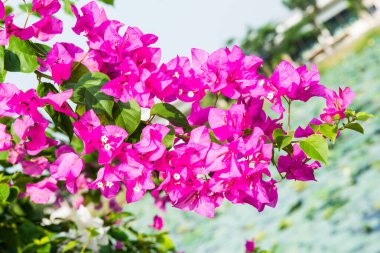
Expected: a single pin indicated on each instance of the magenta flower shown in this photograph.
(2, 10)
(108, 141)
(58, 102)
(12, 29)
(46, 7)
(67, 168)
(158, 223)
(84, 129)
(60, 60)
(7, 91)
(336, 104)
(296, 166)
(300, 132)
(227, 124)
(43, 191)
(35, 166)
(107, 182)
(5, 138)
(47, 28)
(249, 246)
(151, 142)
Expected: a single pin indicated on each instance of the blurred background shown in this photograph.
(339, 213)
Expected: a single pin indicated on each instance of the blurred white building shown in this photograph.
(340, 25)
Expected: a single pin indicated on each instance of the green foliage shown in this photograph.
(299, 4)
(315, 146)
(127, 115)
(19, 56)
(172, 114)
(87, 92)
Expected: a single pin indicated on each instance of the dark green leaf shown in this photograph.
(20, 57)
(4, 192)
(13, 193)
(172, 114)
(127, 115)
(136, 136)
(118, 234)
(316, 147)
(356, 127)
(281, 139)
(87, 92)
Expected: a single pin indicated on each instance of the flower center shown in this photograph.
(176, 176)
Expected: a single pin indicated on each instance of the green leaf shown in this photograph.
(110, 2)
(13, 193)
(118, 234)
(329, 131)
(165, 243)
(4, 155)
(281, 139)
(356, 127)
(127, 115)
(20, 57)
(4, 192)
(362, 116)
(172, 114)
(315, 128)
(2, 70)
(69, 246)
(87, 92)
(168, 140)
(316, 147)
(277, 132)
(136, 136)
(67, 7)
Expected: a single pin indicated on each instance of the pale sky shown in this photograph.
(206, 24)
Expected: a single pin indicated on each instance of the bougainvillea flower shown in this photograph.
(58, 101)
(227, 124)
(5, 138)
(60, 60)
(35, 166)
(137, 188)
(92, 16)
(336, 104)
(108, 141)
(107, 182)
(47, 28)
(296, 166)
(67, 168)
(7, 91)
(158, 223)
(300, 132)
(2, 10)
(151, 142)
(43, 191)
(249, 246)
(12, 29)
(46, 7)
(84, 128)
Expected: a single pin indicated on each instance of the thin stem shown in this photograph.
(216, 99)
(289, 106)
(275, 164)
(81, 60)
(39, 75)
(27, 13)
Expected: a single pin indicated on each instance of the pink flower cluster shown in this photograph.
(226, 154)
